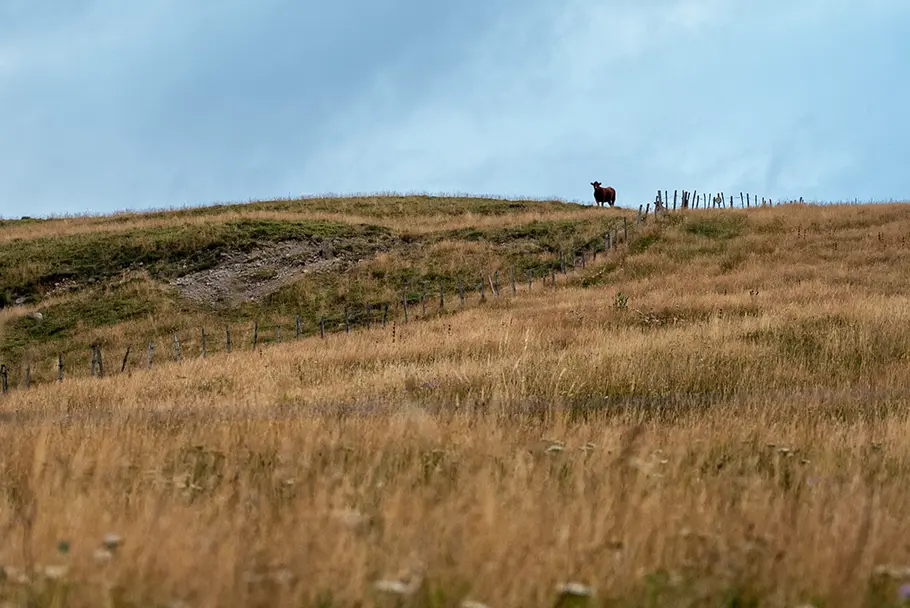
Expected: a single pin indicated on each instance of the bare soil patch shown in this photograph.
(243, 277)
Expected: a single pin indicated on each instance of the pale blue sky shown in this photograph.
(118, 104)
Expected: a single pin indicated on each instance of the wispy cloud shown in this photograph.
(107, 105)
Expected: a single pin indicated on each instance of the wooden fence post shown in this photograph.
(152, 350)
(3, 385)
(514, 291)
(125, 358)
(347, 321)
(496, 284)
(742, 201)
(297, 326)
(482, 290)
(530, 275)
(442, 295)
(385, 313)
(176, 347)
(404, 302)
(423, 300)
(28, 376)
(59, 367)
(278, 334)
(255, 333)
(97, 366)
(204, 349)
(461, 291)
(227, 334)
(748, 203)
(562, 263)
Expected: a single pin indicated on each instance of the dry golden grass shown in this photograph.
(408, 215)
(734, 436)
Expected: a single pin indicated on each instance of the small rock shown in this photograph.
(20, 301)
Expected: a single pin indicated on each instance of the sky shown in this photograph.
(110, 105)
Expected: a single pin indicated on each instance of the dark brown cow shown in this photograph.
(604, 195)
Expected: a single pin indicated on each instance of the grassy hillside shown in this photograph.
(715, 414)
(130, 279)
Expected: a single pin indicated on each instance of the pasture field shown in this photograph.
(129, 279)
(716, 415)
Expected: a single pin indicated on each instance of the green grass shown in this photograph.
(33, 266)
(116, 275)
(723, 227)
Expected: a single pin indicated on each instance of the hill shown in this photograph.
(714, 413)
(129, 279)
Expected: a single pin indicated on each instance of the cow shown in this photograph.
(603, 195)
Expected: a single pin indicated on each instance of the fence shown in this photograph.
(718, 200)
(402, 310)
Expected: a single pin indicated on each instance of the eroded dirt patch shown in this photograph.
(243, 277)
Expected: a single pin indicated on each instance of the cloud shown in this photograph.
(107, 105)
(554, 84)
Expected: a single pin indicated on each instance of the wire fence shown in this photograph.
(429, 299)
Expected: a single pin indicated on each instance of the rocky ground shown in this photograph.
(249, 276)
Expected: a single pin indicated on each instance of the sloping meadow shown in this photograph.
(670, 429)
(128, 280)
(715, 414)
